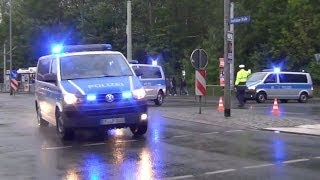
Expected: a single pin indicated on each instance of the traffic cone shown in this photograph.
(220, 107)
(275, 108)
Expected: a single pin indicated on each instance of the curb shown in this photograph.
(287, 132)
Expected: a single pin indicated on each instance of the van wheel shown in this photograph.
(63, 132)
(139, 129)
(41, 122)
(261, 97)
(303, 97)
(283, 100)
(159, 99)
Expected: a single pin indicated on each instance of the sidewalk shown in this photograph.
(303, 129)
(241, 118)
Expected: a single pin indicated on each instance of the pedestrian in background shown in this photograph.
(183, 87)
(241, 79)
(173, 87)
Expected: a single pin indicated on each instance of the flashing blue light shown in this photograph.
(276, 70)
(154, 62)
(108, 46)
(57, 49)
(126, 95)
(91, 97)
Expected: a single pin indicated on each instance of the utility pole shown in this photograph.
(4, 65)
(10, 41)
(129, 33)
(227, 92)
(232, 31)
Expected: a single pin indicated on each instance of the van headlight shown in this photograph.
(251, 87)
(139, 93)
(70, 98)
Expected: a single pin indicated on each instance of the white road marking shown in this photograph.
(234, 131)
(211, 133)
(317, 157)
(180, 136)
(219, 171)
(178, 177)
(94, 144)
(54, 148)
(295, 161)
(124, 141)
(258, 166)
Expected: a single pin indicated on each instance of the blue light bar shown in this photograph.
(57, 49)
(276, 70)
(91, 97)
(126, 95)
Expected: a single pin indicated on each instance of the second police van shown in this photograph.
(89, 86)
(153, 80)
(281, 85)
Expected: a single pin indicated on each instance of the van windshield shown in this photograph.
(256, 77)
(148, 72)
(93, 66)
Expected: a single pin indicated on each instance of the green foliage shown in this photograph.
(281, 32)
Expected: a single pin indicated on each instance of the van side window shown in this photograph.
(149, 72)
(293, 78)
(43, 68)
(272, 78)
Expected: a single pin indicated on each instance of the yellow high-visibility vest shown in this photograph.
(242, 76)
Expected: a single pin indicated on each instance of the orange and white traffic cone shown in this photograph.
(220, 107)
(275, 108)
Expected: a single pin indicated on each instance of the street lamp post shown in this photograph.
(227, 91)
(129, 33)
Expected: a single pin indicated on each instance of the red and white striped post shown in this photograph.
(200, 85)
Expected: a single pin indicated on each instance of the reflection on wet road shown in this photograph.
(172, 149)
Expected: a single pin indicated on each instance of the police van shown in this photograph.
(89, 86)
(153, 80)
(281, 85)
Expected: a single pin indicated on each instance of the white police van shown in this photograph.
(153, 80)
(281, 85)
(89, 86)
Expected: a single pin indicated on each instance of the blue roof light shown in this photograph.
(57, 49)
(276, 70)
(108, 46)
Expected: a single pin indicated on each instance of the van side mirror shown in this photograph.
(50, 78)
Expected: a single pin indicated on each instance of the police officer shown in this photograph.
(241, 79)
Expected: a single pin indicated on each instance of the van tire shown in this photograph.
(41, 121)
(63, 132)
(261, 97)
(303, 98)
(159, 99)
(139, 129)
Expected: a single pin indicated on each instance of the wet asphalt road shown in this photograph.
(171, 149)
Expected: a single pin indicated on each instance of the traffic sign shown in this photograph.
(199, 59)
(241, 19)
(14, 74)
(201, 82)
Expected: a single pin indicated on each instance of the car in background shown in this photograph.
(153, 80)
(284, 86)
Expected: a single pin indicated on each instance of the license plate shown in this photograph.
(112, 121)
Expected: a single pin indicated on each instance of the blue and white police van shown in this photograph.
(284, 86)
(89, 86)
(153, 80)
